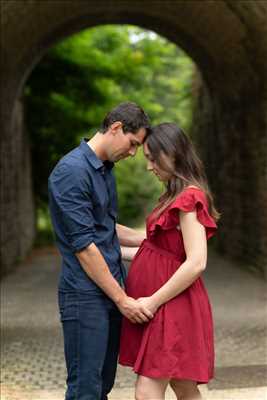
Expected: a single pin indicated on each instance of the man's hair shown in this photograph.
(130, 115)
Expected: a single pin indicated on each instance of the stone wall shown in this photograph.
(227, 41)
(231, 137)
(17, 208)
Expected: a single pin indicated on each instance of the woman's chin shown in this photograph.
(158, 176)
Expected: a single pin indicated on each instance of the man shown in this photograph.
(83, 207)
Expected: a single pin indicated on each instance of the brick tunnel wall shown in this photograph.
(17, 208)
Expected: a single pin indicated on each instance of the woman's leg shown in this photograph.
(150, 389)
(185, 389)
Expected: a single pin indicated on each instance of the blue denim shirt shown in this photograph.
(83, 208)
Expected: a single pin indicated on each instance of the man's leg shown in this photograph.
(69, 317)
(111, 360)
(85, 319)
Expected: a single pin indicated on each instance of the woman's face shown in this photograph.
(161, 174)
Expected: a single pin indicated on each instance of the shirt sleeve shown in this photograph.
(71, 193)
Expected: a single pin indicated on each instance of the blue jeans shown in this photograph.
(91, 327)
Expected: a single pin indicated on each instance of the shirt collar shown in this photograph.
(92, 157)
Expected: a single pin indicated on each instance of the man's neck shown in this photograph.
(97, 144)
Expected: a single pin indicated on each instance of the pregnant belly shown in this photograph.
(149, 270)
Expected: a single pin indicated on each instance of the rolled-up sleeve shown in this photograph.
(71, 194)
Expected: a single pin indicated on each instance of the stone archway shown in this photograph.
(226, 39)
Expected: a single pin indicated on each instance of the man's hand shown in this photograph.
(134, 310)
(149, 303)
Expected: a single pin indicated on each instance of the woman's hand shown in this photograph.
(149, 303)
(134, 310)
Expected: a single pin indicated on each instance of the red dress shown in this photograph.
(178, 342)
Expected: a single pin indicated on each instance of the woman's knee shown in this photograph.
(143, 393)
(150, 389)
(140, 395)
(185, 389)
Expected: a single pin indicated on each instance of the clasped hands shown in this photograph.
(138, 311)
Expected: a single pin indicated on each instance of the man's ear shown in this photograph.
(115, 127)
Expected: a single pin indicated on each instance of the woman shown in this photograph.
(176, 346)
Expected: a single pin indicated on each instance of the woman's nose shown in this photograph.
(149, 166)
(133, 151)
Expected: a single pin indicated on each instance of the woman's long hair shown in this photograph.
(174, 153)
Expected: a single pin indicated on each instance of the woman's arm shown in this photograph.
(195, 244)
(129, 237)
(128, 253)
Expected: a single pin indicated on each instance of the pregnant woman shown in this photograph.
(176, 346)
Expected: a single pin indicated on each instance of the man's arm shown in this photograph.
(71, 192)
(129, 237)
(128, 253)
(96, 268)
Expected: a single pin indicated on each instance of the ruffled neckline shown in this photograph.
(189, 199)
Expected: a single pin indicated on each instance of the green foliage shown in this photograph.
(44, 229)
(83, 77)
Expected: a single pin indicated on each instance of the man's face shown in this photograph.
(126, 144)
